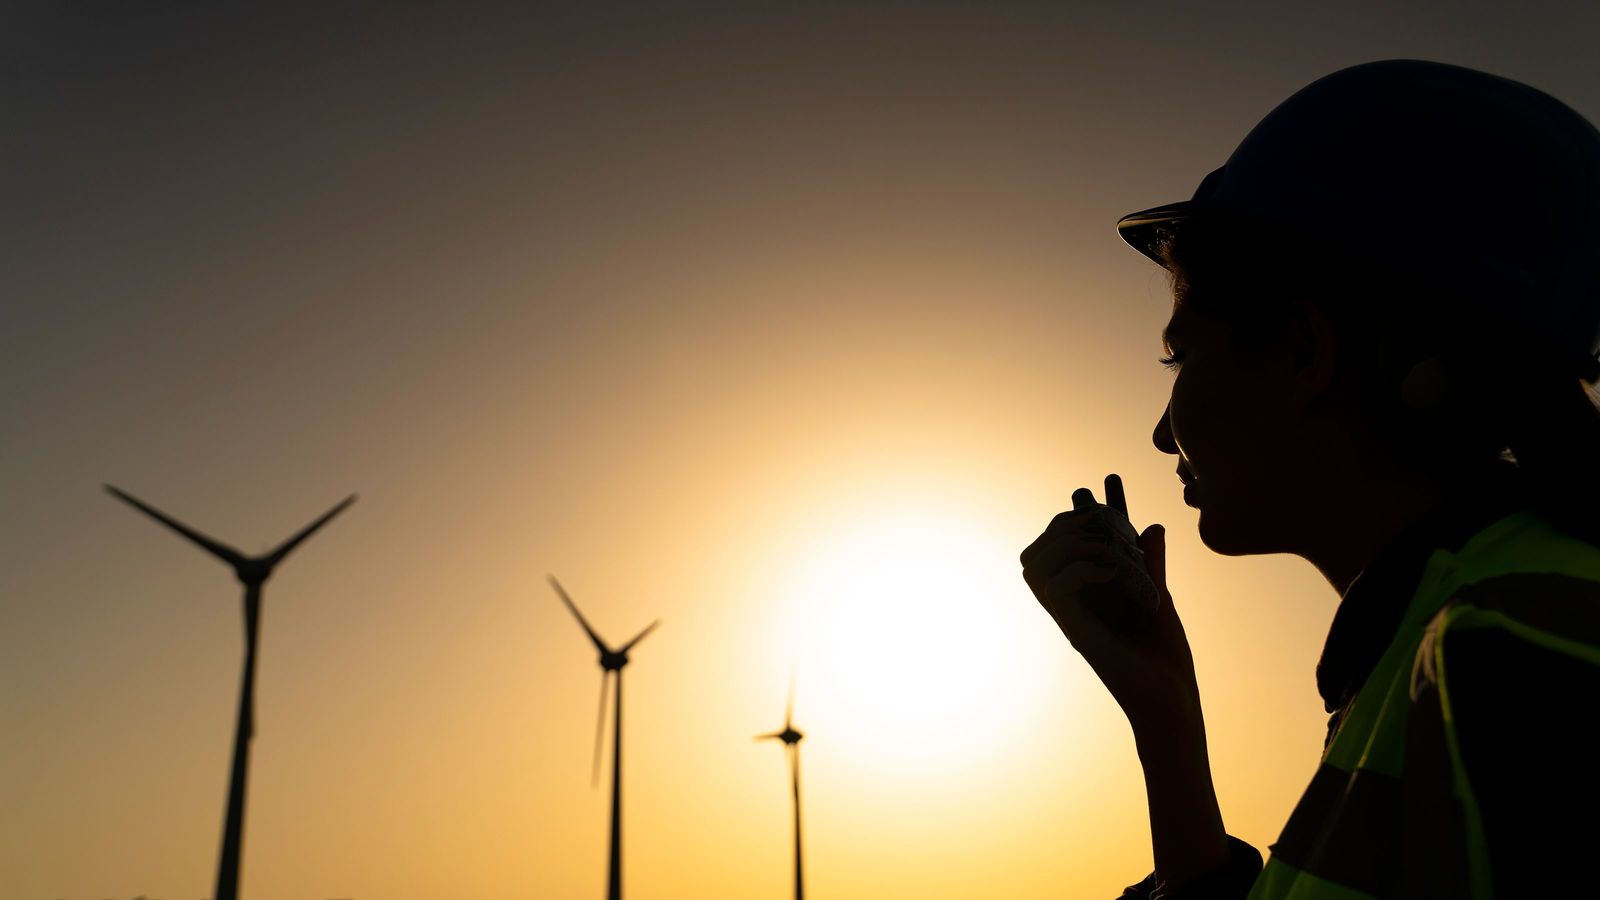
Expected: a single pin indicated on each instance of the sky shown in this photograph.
(788, 326)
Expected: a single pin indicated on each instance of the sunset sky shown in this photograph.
(789, 327)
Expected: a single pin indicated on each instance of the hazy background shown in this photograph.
(788, 326)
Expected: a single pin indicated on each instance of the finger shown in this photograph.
(1071, 521)
(1057, 555)
(1154, 544)
(1084, 540)
(1115, 498)
(1061, 598)
(1063, 588)
(1073, 517)
(1082, 498)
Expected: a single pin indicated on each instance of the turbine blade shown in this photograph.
(599, 729)
(216, 548)
(788, 711)
(277, 555)
(774, 736)
(601, 645)
(640, 636)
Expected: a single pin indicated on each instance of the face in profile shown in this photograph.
(1227, 423)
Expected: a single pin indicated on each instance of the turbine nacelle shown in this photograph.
(788, 735)
(253, 570)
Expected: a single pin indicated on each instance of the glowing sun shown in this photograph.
(918, 646)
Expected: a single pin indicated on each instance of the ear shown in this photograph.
(1431, 387)
(1313, 347)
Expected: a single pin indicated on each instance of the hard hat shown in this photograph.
(1488, 185)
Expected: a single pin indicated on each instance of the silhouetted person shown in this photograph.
(1385, 328)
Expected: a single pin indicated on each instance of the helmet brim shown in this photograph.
(1146, 230)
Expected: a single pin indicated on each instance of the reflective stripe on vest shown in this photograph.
(1355, 832)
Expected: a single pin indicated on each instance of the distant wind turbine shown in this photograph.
(791, 749)
(253, 572)
(611, 661)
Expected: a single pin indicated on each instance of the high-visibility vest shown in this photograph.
(1370, 827)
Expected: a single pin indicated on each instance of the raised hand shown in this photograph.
(1105, 586)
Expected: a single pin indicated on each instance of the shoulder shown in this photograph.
(1554, 610)
(1516, 553)
(1503, 690)
(1534, 615)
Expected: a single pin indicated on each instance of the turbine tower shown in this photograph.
(611, 662)
(252, 572)
(791, 748)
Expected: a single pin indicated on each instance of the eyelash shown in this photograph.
(1171, 362)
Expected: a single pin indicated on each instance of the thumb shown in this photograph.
(1154, 544)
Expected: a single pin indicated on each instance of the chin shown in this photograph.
(1222, 534)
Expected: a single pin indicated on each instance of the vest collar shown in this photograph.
(1370, 612)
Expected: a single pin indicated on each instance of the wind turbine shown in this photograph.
(791, 748)
(611, 661)
(253, 572)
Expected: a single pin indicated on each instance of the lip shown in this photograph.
(1189, 494)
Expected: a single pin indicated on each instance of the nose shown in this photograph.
(1162, 437)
